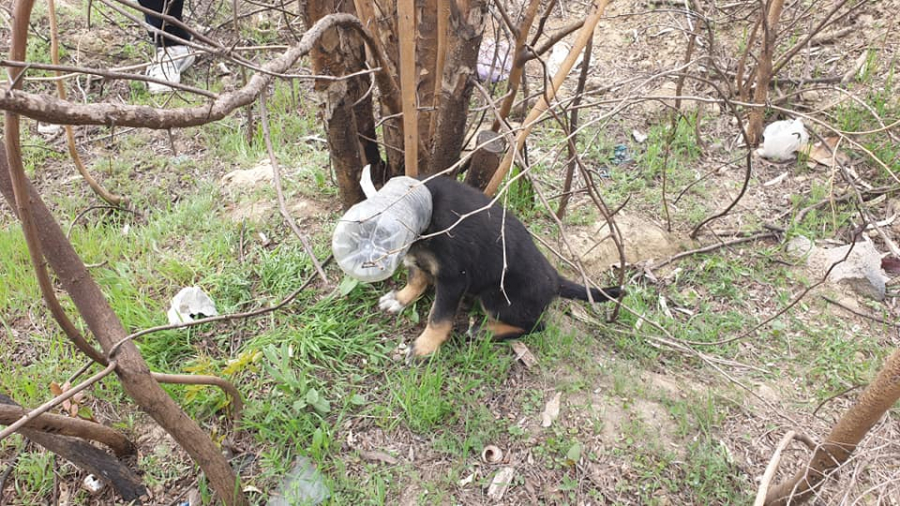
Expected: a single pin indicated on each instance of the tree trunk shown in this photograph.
(426, 62)
(875, 400)
(485, 159)
(764, 69)
(464, 38)
(347, 107)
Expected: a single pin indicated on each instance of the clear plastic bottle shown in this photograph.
(371, 238)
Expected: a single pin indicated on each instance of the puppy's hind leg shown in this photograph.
(440, 321)
(416, 284)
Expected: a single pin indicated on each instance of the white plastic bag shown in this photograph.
(782, 139)
(190, 304)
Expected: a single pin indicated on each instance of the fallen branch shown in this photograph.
(86, 457)
(859, 313)
(66, 426)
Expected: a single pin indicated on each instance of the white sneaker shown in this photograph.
(168, 65)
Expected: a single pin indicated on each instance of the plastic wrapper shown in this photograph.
(782, 139)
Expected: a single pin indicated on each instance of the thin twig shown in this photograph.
(281, 203)
(859, 313)
(713, 247)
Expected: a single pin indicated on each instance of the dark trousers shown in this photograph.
(172, 8)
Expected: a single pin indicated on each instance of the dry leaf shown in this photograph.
(551, 411)
(524, 354)
(821, 153)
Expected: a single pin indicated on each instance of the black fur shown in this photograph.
(468, 260)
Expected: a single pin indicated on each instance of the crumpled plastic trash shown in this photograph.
(782, 139)
(494, 61)
(621, 154)
(302, 485)
(558, 55)
(190, 304)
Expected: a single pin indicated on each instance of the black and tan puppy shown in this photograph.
(467, 258)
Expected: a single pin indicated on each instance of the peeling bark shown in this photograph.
(347, 110)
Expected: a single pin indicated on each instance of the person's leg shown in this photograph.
(173, 8)
(172, 58)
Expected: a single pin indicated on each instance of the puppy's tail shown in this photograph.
(571, 290)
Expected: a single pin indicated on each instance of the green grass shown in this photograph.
(320, 377)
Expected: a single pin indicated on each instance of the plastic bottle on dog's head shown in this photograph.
(372, 237)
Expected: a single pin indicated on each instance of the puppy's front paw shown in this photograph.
(416, 355)
(388, 302)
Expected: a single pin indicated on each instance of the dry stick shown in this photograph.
(70, 131)
(518, 68)
(713, 247)
(791, 304)
(506, 19)
(443, 22)
(109, 74)
(863, 210)
(543, 21)
(833, 397)
(859, 313)
(56, 401)
(749, 160)
(251, 129)
(856, 422)
(52, 110)
(276, 171)
(201, 379)
(676, 115)
(82, 214)
(67, 426)
(573, 127)
(227, 317)
(586, 32)
(554, 38)
(772, 468)
(406, 19)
